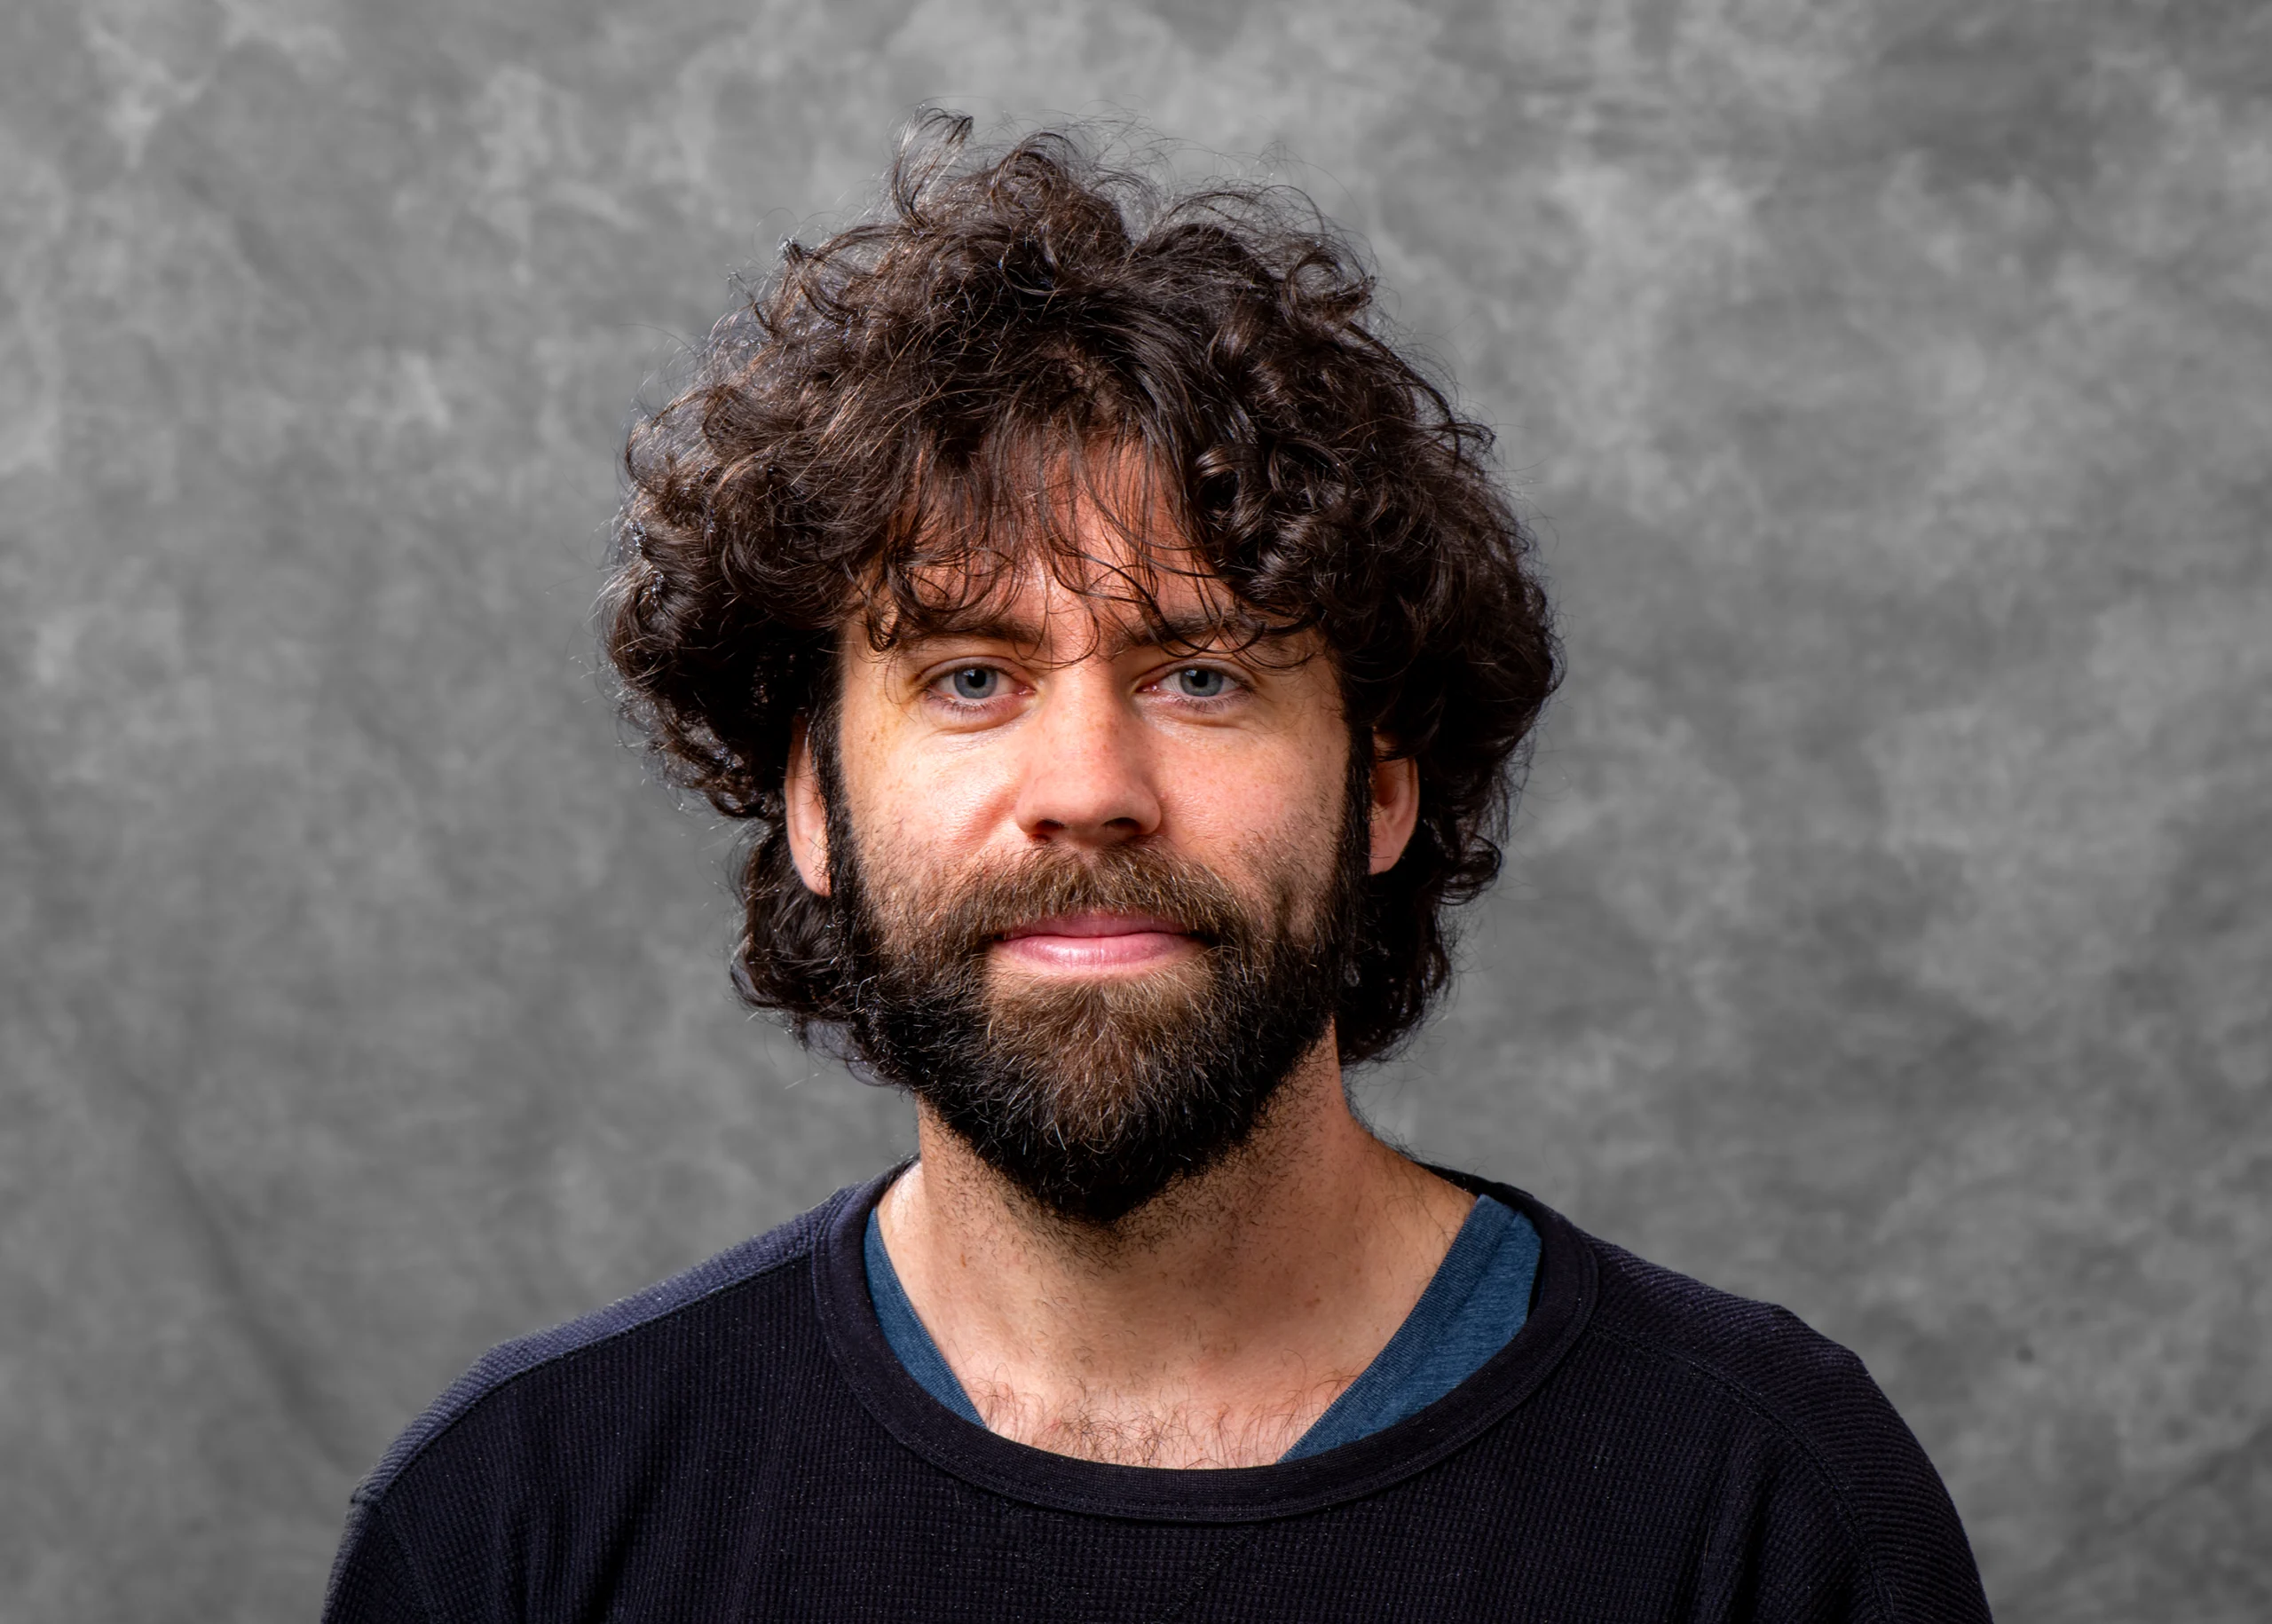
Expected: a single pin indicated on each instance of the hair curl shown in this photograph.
(880, 407)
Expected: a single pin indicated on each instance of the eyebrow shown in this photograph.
(1195, 631)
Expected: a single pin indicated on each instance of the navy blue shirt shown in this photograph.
(1474, 1304)
(742, 1443)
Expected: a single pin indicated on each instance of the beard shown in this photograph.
(1091, 1097)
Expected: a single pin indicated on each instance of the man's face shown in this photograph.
(1098, 883)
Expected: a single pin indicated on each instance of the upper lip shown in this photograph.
(1095, 923)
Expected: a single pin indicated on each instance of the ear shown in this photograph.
(1396, 804)
(805, 814)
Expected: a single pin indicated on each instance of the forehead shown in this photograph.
(1098, 550)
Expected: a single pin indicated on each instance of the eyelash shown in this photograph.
(1231, 684)
(939, 684)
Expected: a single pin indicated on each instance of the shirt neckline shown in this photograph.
(1563, 1300)
(1375, 1399)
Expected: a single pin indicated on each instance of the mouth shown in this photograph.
(1094, 943)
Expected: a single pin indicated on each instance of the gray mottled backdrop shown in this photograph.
(1889, 925)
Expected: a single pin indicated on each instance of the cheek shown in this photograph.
(929, 810)
(1266, 806)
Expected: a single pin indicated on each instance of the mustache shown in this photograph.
(1128, 879)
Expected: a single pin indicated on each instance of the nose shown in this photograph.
(1087, 775)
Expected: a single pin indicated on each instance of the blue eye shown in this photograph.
(975, 682)
(1201, 683)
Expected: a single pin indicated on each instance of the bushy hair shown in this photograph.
(885, 405)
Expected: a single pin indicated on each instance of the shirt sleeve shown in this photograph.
(1846, 1522)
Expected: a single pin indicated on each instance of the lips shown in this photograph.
(1094, 942)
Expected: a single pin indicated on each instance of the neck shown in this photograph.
(1210, 1328)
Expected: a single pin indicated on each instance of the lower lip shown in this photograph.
(1135, 949)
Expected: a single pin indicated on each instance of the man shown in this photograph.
(1120, 653)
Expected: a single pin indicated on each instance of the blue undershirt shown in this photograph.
(1476, 1302)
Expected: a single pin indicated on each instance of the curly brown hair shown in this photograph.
(878, 408)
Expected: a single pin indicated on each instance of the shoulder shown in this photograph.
(580, 1370)
(1757, 1355)
(1733, 1354)
(1823, 1444)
